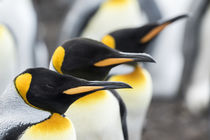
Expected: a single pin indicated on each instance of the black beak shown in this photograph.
(138, 57)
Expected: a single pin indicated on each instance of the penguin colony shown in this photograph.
(77, 98)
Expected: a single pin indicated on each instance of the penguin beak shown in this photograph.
(157, 29)
(122, 58)
(176, 18)
(92, 86)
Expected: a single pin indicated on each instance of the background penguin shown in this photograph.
(21, 19)
(104, 17)
(77, 17)
(195, 82)
(92, 60)
(151, 9)
(33, 106)
(170, 43)
(8, 56)
(138, 99)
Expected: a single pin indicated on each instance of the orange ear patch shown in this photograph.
(58, 58)
(153, 33)
(22, 84)
(109, 41)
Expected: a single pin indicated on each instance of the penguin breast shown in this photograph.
(96, 114)
(54, 128)
(140, 95)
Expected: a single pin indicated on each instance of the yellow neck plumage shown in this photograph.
(135, 78)
(56, 127)
(92, 99)
(116, 2)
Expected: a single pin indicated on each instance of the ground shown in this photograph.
(170, 120)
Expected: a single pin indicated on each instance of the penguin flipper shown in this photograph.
(15, 132)
(123, 113)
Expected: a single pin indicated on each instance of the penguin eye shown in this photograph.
(50, 86)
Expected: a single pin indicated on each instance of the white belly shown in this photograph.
(110, 18)
(96, 117)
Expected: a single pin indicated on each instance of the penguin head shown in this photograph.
(50, 91)
(90, 59)
(136, 39)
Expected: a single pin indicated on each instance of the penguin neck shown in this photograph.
(117, 2)
(120, 3)
(92, 99)
(12, 100)
(138, 70)
(11, 104)
(53, 123)
(55, 127)
(135, 78)
(51, 67)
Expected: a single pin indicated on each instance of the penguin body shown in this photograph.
(23, 21)
(109, 14)
(77, 17)
(39, 98)
(105, 106)
(82, 57)
(137, 100)
(142, 88)
(8, 56)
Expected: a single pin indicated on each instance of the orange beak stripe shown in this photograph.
(153, 33)
(112, 61)
(81, 89)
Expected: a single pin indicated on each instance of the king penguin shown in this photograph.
(104, 17)
(138, 99)
(92, 60)
(8, 56)
(33, 105)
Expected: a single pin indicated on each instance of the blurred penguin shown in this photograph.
(8, 56)
(101, 18)
(22, 21)
(196, 73)
(151, 10)
(170, 43)
(77, 18)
